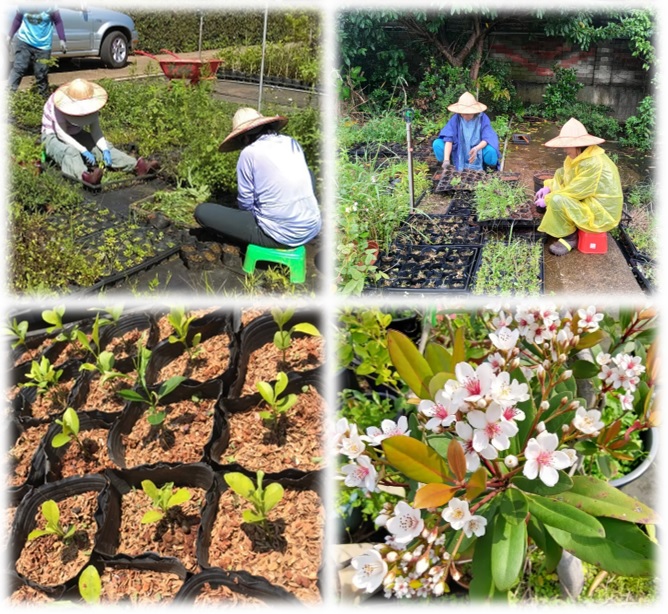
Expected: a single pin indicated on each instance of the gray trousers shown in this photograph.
(26, 55)
(69, 158)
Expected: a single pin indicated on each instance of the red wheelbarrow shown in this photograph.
(182, 68)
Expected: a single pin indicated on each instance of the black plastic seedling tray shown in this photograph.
(452, 180)
(429, 268)
(524, 217)
(439, 230)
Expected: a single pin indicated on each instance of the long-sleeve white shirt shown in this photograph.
(64, 126)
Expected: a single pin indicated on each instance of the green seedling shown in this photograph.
(90, 585)
(143, 393)
(283, 338)
(181, 325)
(163, 500)
(69, 429)
(104, 365)
(54, 317)
(262, 499)
(51, 514)
(17, 330)
(43, 375)
(271, 396)
(455, 181)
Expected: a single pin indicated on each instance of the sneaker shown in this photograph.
(92, 177)
(562, 246)
(144, 167)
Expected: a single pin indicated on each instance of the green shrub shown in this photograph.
(640, 129)
(562, 93)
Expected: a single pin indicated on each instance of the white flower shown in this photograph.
(589, 319)
(543, 459)
(502, 320)
(504, 338)
(603, 359)
(490, 428)
(588, 422)
(475, 525)
(388, 428)
(441, 411)
(406, 523)
(341, 430)
(457, 513)
(507, 393)
(370, 570)
(513, 413)
(475, 382)
(626, 400)
(362, 474)
(465, 431)
(497, 361)
(352, 445)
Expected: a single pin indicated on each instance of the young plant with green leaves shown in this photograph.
(148, 395)
(18, 331)
(53, 526)
(69, 424)
(489, 462)
(498, 199)
(277, 406)
(54, 317)
(163, 499)
(43, 375)
(104, 360)
(181, 324)
(283, 337)
(262, 499)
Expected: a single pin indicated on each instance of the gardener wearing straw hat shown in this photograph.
(468, 140)
(69, 109)
(276, 203)
(585, 194)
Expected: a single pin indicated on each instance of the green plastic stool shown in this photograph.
(294, 258)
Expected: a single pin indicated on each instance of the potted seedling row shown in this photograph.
(439, 230)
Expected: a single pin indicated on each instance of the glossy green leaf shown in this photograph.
(482, 583)
(60, 440)
(591, 339)
(627, 551)
(272, 495)
(306, 328)
(459, 347)
(266, 391)
(415, 460)
(545, 542)
(150, 489)
(409, 363)
(38, 533)
(131, 395)
(508, 551)
(437, 382)
(514, 506)
(439, 359)
(476, 483)
(539, 488)
(598, 498)
(281, 383)
(562, 516)
(584, 369)
(90, 585)
(251, 516)
(240, 484)
(170, 385)
(180, 496)
(439, 443)
(51, 512)
(151, 516)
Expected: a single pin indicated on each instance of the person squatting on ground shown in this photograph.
(468, 140)
(276, 202)
(34, 30)
(72, 107)
(585, 194)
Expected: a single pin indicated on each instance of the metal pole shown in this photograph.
(201, 25)
(264, 45)
(408, 116)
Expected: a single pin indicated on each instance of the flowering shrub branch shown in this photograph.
(490, 457)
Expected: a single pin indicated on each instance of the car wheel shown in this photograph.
(114, 50)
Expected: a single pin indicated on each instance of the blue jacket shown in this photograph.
(450, 134)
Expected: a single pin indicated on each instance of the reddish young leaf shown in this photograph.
(476, 484)
(433, 495)
(457, 460)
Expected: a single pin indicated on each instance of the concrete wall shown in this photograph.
(609, 73)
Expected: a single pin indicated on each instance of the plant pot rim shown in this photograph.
(652, 443)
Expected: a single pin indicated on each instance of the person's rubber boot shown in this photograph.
(92, 177)
(564, 245)
(145, 167)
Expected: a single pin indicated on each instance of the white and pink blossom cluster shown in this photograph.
(621, 373)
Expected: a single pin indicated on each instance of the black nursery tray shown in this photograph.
(628, 246)
(91, 218)
(439, 230)
(525, 217)
(641, 271)
(452, 180)
(429, 268)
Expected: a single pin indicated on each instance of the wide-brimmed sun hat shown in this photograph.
(80, 97)
(574, 134)
(467, 104)
(244, 120)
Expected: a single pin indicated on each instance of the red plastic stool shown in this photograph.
(592, 242)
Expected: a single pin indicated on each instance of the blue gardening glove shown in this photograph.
(541, 194)
(88, 157)
(63, 46)
(106, 156)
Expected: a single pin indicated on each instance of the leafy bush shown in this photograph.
(640, 129)
(562, 93)
(386, 127)
(47, 191)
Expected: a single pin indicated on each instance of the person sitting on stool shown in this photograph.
(277, 207)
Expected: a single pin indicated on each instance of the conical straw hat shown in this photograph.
(80, 97)
(244, 120)
(467, 104)
(574, 134)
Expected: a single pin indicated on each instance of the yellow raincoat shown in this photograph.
(586, 194)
